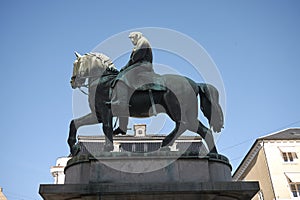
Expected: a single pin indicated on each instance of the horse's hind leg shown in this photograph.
(207, 135)
(178, 130)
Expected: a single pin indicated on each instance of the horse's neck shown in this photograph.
(105, 77)
(96, 71)
(94, 75)
(108, 77)
(93, 80)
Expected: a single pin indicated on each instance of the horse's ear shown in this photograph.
(77, 54)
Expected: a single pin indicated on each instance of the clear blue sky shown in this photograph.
(255, 45)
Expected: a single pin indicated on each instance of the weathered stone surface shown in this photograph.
(161, 168)
(151, 191)
(109, 176)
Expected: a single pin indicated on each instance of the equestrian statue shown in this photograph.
(137, 91)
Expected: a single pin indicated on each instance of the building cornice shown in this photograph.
(130, 138)
(247, 160)
(258, 144)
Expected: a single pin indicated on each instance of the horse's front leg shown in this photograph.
(88, 119)
(72, 138)
(108, 131)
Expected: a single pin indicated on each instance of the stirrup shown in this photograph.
(112, 103)
(109, 104)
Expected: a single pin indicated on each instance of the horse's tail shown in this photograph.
(209, 105)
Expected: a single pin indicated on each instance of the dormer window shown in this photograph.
(288, 154)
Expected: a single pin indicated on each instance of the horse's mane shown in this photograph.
(105, 60)
(113, 70)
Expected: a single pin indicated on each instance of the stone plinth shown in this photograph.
(158, 175)
(151, 191)
(159, 167)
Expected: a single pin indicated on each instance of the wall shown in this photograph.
(278, 167)
(259, 172)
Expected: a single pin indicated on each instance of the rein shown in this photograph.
(82, 90)
(103, 75)
(87, 85)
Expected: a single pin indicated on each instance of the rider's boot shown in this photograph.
(122, 129)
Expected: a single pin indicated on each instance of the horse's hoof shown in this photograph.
(165, 148)
(213, 151)
(165, 143)
(213, 155)
(108, 147)
(75, 150)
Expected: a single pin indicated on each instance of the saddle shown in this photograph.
(157, 85)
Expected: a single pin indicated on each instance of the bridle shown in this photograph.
(87, 85)
(86, 93)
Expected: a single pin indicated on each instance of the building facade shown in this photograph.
(57, 171)
(140, 142)
(273, 160)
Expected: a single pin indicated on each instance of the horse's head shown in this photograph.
(76, 81)
(90, 65)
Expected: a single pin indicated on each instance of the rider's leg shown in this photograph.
(119, 101)
(119, 94)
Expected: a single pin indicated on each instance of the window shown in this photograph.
(260, 195)
(133, 148)
(289, 156)
(140, 132)
(288, 153)
(295, 189)
(294, 182)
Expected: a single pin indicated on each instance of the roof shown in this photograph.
(150, 143)
(287, 134)
(148, 137)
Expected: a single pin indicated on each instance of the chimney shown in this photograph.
(139, 130)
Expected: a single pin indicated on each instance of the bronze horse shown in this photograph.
(77, 81)
(179, 102)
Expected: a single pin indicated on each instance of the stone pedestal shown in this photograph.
(158, 175)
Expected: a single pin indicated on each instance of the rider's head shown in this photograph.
(135, 36)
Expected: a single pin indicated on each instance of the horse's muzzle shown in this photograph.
(73, 82)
